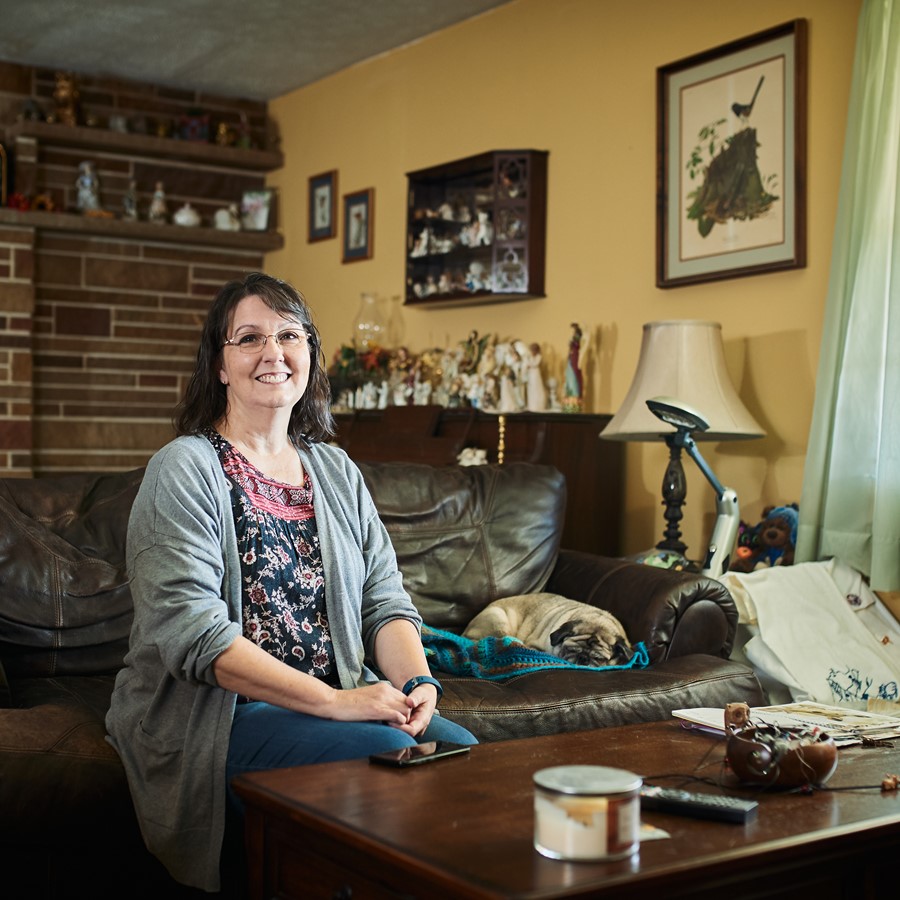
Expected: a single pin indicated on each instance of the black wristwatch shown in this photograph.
(413, 683)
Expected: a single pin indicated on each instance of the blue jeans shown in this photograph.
(270, 737)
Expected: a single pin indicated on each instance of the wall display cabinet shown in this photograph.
(476, 229)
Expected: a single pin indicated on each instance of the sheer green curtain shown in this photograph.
(850, 504)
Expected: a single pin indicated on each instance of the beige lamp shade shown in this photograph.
(684, 360)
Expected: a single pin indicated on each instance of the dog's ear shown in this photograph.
(622, 652)
(565, 631)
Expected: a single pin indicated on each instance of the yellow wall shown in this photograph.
(577, 78)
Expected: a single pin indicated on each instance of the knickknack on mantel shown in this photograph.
(476, 229)
(124, 159)
(102, 302)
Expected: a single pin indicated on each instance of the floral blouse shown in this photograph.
(283, 607)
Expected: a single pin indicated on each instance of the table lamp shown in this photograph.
(682, 367)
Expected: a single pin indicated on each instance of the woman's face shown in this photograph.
(272, 378)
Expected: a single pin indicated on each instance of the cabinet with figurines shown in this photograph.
(476, 229)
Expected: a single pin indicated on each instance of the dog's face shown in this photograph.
(587, 647)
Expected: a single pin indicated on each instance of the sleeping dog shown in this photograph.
(573, 631)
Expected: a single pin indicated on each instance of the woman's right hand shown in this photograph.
(380, 702)
(247, 669)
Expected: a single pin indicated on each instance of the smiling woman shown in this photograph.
(271, 626)
(265, 369)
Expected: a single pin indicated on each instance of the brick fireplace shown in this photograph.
(99, 320)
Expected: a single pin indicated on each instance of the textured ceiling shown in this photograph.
(257, 49)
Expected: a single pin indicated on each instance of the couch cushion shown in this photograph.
(66, 604)
(557, 700)
(467, 535)
(61, 779)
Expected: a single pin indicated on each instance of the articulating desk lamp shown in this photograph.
(728, 515)
(685, 359)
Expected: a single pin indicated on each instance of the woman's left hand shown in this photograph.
(422, 702)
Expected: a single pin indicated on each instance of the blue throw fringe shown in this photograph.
(496, 658)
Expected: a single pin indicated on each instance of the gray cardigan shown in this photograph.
(169, 721)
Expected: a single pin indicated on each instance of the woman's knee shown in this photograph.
(442, 729)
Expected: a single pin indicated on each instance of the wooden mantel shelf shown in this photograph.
(263, 241)
(146, 145)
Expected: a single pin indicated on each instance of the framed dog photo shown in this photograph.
(359, 212)
(323, 206)
(731, 159)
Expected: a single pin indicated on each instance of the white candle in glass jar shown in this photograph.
(586, 812)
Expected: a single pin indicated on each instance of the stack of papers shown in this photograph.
(846, 726)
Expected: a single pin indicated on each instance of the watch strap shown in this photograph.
(414, 682)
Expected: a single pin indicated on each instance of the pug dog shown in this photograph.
(575, 632)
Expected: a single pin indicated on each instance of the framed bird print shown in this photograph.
(731, 159)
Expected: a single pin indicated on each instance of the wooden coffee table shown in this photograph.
(462, 827)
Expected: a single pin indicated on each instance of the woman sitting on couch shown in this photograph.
(271, 626)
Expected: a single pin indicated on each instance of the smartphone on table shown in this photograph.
(429, 751)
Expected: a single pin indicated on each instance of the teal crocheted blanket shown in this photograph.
(496, 658)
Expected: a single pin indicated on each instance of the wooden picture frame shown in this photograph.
(359, 214)
(731, 159)
(322, 217)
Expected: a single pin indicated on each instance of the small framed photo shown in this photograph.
(731, 159)
(255, 207)
(323, 206)
(359, 212)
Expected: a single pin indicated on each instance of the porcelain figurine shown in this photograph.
(88, 188)
(535, 389)
(158, 210)
(129, 203)
(187, 216)
(227, 219)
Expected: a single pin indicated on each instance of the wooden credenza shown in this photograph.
(571, 442)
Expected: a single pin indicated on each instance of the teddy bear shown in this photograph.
(67, 97)
(770, 543)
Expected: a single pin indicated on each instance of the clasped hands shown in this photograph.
(382, 702)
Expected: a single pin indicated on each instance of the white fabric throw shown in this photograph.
(820, 631)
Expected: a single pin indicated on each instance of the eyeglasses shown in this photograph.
(253, 342)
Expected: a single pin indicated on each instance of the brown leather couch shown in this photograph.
(464, 536)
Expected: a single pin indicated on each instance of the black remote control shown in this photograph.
(699, 806)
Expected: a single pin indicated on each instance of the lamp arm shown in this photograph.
(724, 536)
(691, 447)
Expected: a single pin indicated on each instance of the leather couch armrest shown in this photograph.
(673, 613)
